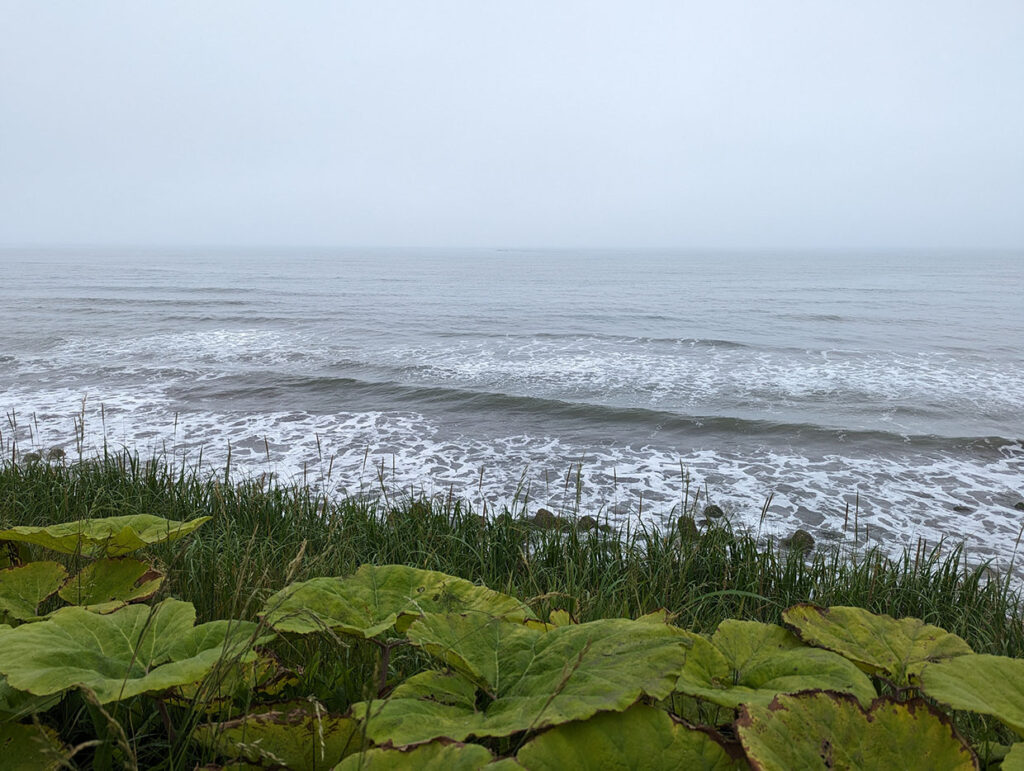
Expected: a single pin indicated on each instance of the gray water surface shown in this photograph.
(892, 383)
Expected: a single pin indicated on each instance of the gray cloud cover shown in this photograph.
(730, 124)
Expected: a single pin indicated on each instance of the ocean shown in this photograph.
(882, 389)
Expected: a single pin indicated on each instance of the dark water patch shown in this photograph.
(811, 375)
(325, 394)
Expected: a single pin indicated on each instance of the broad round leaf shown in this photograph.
(128, 652)
(560, 618)
(27, 747)
(109, 536)
(435, 756)
(375, 599)
(108, 584)
(642, 737)
(882, 644)
(991, 685)
(832, 731)
(1014, 760)
(297, 739)
(532, 678)
(747, 662)
(240, 681)
(15, 704)
(23, 588)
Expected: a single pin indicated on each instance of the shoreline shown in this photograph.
(576, 552)
(849, 525)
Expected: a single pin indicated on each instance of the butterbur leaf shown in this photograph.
(448, 688)
(560, 618)
(28, 747)
(108, 536)
(1014, 760)
(108, 584)
(660, 616)
(555, 619)
(991, 685)
(436, 756)
(697, 711)
(883, 645)
(23, 588)
(832, 731)
(376, 599)
(137, 649)
(642, 737)
(15, 704)
(241, 680)
(747, 662)
(298, 739)
(531, 678)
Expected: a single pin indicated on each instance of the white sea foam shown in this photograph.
(894, 501)
(680, 376)
(813, 379)
(901, 393)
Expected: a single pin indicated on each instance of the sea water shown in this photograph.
(882, 389)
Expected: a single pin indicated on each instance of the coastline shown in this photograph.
(700, 566)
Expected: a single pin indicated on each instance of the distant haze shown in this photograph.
(868, 124)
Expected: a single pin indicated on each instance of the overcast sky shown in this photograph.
(713, 123)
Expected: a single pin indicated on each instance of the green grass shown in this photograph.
(265, 534)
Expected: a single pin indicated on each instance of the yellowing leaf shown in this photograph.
(239, 681)
(108, 536)
(560, 618)
(108, 584)
(436, 756)
(298, 739)
(747, 662)
(532, 679)
(991, 685)
(135, 650)
(1014, 760)
(642, 737)
(376, 599)
(819, 730)
(22, 589)
(881, 644)
(27, 747)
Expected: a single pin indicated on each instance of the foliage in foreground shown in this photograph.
(467, 677)
(265, 534)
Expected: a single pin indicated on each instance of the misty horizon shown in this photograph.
(459, 125)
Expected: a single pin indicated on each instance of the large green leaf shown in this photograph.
(1014, 760)
(241, 681)
(27, 747)
(832, 731)
(23, 588)
(991, 685)
(531, 679)
(642, 737)
(373, 600)
(747, 662)
(881, 644)
(108, 584)
(300, 738)
(128, 652)
(15, 704)
(109, 536)
(436, 756)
